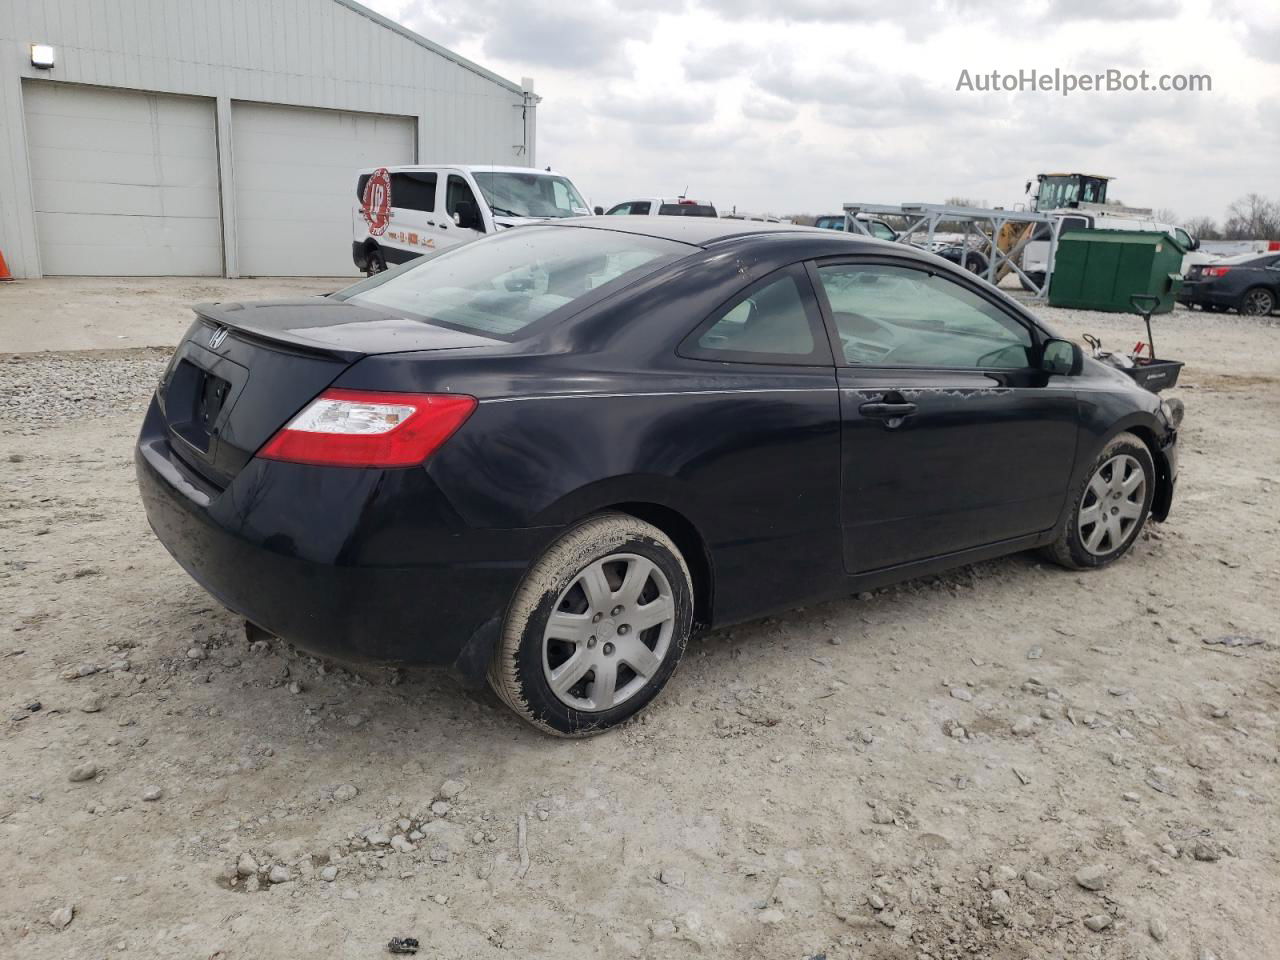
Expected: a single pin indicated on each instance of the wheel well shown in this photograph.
(694, 549)
(1163, 497)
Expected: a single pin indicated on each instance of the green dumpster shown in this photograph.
(1103, 269)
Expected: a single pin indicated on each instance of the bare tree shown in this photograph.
(1204, 228)
(1252, 217)
(1165, 215)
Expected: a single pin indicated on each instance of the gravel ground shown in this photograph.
(42, 390)
(1009, 761)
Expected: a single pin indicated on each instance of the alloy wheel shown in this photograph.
(1259, 303)
(1112, 505)
(608, 633)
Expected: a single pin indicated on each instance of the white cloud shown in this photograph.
(800, 105)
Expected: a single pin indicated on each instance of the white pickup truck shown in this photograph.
(405, 212)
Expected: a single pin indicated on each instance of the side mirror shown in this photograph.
(598, 211)
(1062, 357)
(1195, 243)
(467, 216)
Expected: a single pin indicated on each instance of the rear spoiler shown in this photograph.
(284, 324)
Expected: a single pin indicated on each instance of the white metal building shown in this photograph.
(220, 137)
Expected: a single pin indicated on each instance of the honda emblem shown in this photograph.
(216, 338)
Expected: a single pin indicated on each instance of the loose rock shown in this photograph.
(279, 874)
(152, 794)
(345, 792)
(246, 866)
(83, 771)
(962, 693)
(1098, 922)
(61, 918)
(329, 874)
(1158, 929)
(1092, 877)
(1024, 727)
(451, 788)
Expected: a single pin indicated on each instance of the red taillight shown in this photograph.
(1216, 271)
(357, 428)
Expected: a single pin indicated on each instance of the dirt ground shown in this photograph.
(842, 781)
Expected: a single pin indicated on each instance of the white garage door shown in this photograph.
(295, 176)
(124, 183)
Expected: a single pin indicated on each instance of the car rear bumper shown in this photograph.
(343, 562)
(1202, 295)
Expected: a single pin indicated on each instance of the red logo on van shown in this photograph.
(376, 202)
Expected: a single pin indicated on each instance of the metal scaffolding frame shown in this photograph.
(980, 223)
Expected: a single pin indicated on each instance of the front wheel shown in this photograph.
(377, 263)
(596, 628)
(1108, 507)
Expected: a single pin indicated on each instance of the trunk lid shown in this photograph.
(244, 370)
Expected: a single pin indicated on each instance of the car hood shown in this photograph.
(505, 222)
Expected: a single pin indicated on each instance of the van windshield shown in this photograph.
(501, 284)
(530, 195)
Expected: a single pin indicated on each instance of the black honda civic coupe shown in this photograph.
(548, 456)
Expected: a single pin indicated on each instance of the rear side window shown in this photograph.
(501, 284)
(360, 185)
(774, 321)
(686, 210)
(413, 191)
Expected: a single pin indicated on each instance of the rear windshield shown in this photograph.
(686, 210)
(501, 284)
(530, 195)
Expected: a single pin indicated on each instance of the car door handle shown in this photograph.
(887, 411)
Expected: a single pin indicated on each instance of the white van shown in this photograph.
(408, 211)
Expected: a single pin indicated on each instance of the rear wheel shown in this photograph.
(1109, 506)
(376, 262)
(596, 629)
(1258, 302)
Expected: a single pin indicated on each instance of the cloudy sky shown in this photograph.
(796, 106)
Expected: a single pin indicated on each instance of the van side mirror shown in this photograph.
(1062, 357)
(466, 216)
(598, 211)
(1195, 243)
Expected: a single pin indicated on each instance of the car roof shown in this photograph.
(707, 231)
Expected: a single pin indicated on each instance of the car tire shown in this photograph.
(975, 263)
(1037, 278)
(1108, 507)
(550, 673)
(1257, 302)
(377, 263)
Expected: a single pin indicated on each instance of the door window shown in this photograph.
(461, 201)
(414, 191)
(775, 321)
(881, 231)
(621, 210)
(640, 208)
(903, 317)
